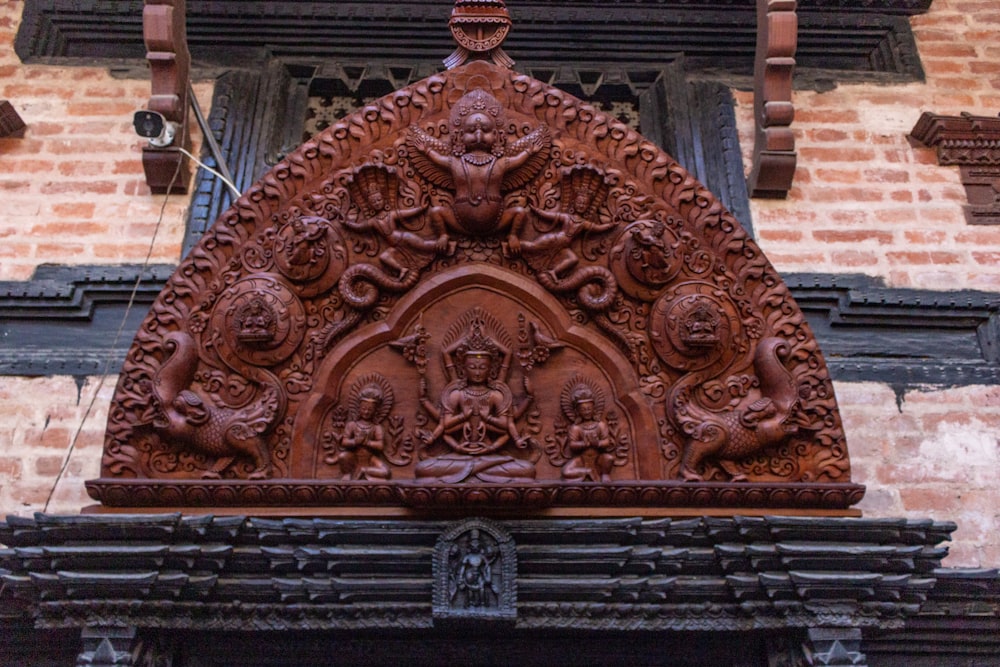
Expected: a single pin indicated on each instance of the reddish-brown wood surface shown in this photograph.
(477, 291)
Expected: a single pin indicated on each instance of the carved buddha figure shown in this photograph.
(701, 326)
(255, 322)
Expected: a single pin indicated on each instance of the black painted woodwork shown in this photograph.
(200, 591)
(839, 39)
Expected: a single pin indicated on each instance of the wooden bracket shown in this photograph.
(11, 124)
(972, 143)
(774, 63)
(164, 31)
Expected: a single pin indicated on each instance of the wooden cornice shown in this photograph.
(972, 143)
(11, 125)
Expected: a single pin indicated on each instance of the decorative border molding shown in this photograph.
(972, 143)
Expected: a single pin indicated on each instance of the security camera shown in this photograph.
(154, 127)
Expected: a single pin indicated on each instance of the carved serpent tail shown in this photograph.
(597, 287)
(360, 285)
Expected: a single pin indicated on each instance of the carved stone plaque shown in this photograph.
(475, 573)
(476, 291)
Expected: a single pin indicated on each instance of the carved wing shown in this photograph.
(539, 143)
(419, 144)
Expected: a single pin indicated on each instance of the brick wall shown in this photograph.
(865, 201)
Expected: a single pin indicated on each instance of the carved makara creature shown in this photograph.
(188, 419)
(479, 166)
(729, 436)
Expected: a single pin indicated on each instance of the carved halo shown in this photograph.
(372, 381)
(573, 389)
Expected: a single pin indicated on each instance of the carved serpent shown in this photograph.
(360, 285)
(596, 286)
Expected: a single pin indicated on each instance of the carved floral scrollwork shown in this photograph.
(477, 289)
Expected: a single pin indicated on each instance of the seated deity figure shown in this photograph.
(363, 441)
(476, 417)
(589, 440)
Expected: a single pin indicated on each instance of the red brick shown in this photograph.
(840, 154)
(852, 236)
(854, 258)
(75, 210)
(78, 168)
(79, 187)
(924, 236)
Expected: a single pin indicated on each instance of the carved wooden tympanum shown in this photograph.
(476, 291)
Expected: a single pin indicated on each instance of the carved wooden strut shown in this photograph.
(476, 291)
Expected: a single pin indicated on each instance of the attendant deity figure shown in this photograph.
(473, 579)
(651, 260)
(584, 191)
(362, 443)
(374, 190)
(589, 439)
(479, 165)
(476, 414)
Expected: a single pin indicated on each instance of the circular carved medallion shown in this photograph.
(646, 256)
(695, 325)
(310, 250)
(260, 321)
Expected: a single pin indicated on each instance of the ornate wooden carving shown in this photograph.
(973, 143)
(11, 125)
(164, 31)
(774, 154)
(479, 291)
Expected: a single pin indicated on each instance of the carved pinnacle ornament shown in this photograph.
(476, 292)
(479, 27)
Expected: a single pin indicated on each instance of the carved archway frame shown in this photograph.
(643, 352)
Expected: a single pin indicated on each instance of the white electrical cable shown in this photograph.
(204, 166)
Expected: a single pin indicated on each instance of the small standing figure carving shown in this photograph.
(374, 190)
(479, 165)
(472, 584)
(589, 439)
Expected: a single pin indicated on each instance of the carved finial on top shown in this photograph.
(479, 27)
